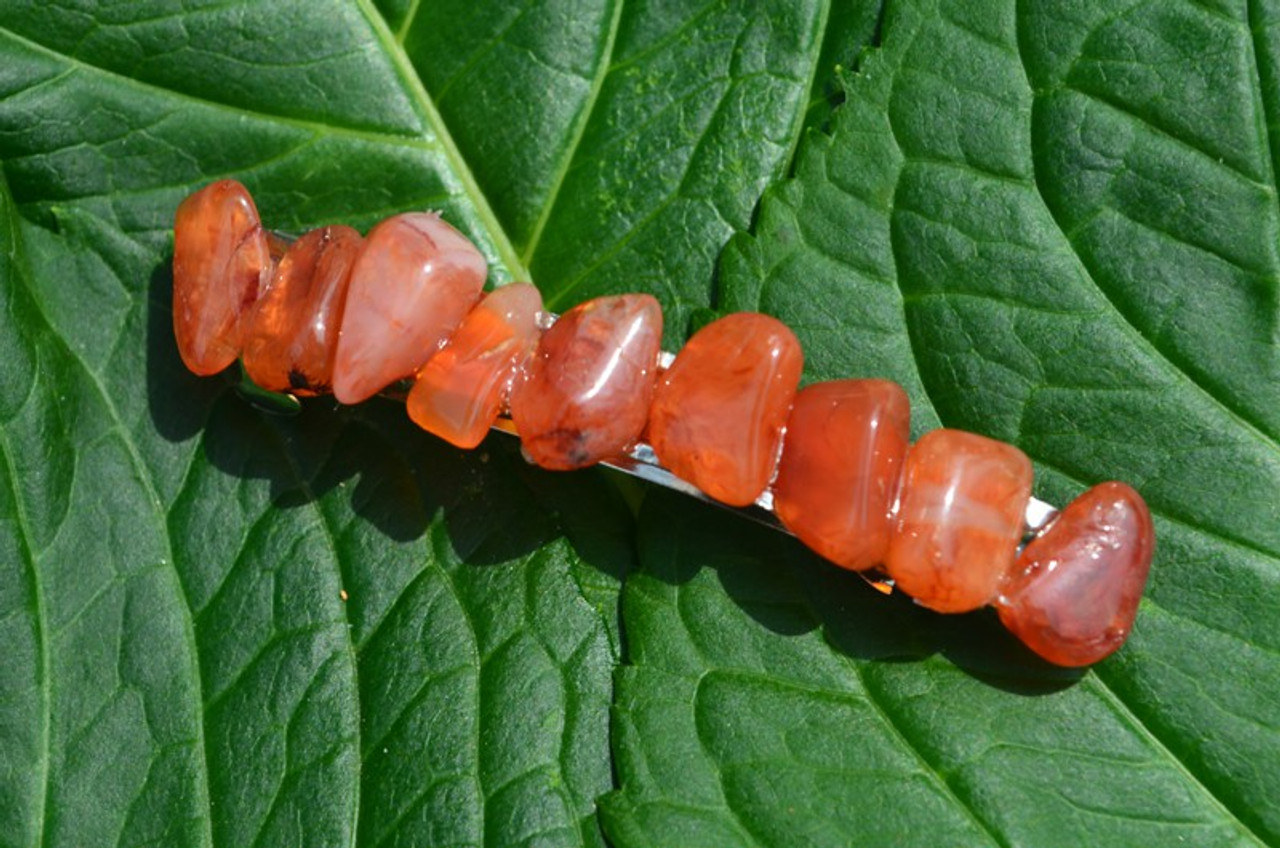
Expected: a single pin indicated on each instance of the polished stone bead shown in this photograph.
(718, 412)
(411, 286)
(959, 519)
(221, 264)
(586, 392)
(291, 338)
(840, 468)
(462, 389)
(1074, 592)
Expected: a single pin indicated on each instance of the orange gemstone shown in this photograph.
(415, 281)
(586, 392)
(221, 263)
(718, 412)
(1074, 592)
(461, 390)
(840, 468)
(959, 520)
(290, 340)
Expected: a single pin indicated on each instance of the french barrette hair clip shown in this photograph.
(950, 520)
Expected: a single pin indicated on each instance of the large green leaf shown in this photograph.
(1055, 223)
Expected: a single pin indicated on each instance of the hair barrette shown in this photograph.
(950, 520)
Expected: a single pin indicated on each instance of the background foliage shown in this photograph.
(1055, 223)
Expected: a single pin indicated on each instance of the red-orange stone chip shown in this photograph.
(718, 412)
(840, 468)
(1074, 592)
(461, 390)
(411, 286)
(959, 519)
(291, 339)
(221, 263)
(586, 391)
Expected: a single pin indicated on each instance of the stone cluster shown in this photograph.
(335, 312)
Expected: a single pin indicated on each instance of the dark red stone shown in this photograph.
(1073, 594)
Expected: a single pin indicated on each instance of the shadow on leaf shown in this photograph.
(493, 505)
(790, 591)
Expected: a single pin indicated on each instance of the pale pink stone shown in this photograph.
(1073, 594)
(410, 289)
(959, 520)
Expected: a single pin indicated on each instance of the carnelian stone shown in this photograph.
(959, 519)
(1074, 592)
(718, 412)
(411, 286)
(840, 468)
(461, 390)
(221, 263)
(292, 336)
(586, 392)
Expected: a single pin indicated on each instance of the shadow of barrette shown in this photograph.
(370, 466)
(773, 583)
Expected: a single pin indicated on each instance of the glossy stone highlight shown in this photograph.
(462, 389)
(410, 289)
(292, 337)
(959, 519)
(221, 264)
(586, 392)
(718, 412)
(841, 465)
(1074, 592)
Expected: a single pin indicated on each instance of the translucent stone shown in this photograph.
(1074, 592)
(718, 412)
(586, 392)
(840, 468)
(415, 281)
(959, 519)
(221, 264)
(292, 336)
(462, 389)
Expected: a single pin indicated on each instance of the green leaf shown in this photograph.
(101, 705)
(1007, 219)
(636, 138)
(1054, 223)
(223, 637)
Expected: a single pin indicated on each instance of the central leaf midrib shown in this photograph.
(458, 165)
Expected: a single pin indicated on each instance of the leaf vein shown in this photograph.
(1156, 127)
(41, 624)
(575, 142)
(927, 768)
(1120, 705)
(143, 475)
